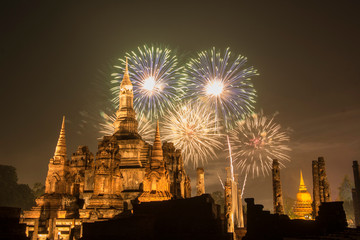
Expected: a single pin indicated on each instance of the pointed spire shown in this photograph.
(60, 149)
(126, 83)
(157, 153)
(126, 123)
(302, 186)
(157, 133)
(126, 67)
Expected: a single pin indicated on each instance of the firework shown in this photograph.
(191, 128)
(146, 129)
(154, 73)
(221, 81)
(256, 141)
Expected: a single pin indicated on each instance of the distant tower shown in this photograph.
(229, 213)
(200, 181)
(323, 182)
(157, 180)
(240, 209)
(321, 187)
(303, 208)
(356, 193)
(277, 192)
(316, 188)
(126, 124)
(56, 176)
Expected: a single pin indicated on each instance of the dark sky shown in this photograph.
(307, 53)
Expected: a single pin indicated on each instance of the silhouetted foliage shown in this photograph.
(288, 206)
(345, 195)
(218, 197)
(13, 194)
(38, 189)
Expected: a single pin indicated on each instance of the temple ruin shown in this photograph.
(127, 169)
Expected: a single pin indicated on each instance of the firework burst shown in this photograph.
(146, 129)
(256, 141)
(191, 128)
(154, 73)
(222, 82)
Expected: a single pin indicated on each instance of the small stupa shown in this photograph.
(302, 208)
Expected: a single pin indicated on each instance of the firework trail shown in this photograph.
(222, 82)
(154, 73)
(221, 182)
(244, 184)
(256, 141)
(230, 158)
(190, 127)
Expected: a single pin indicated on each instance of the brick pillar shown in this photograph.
(240, 208)
(316, 188)
(277, 193)
(324, 184)
(200, 181)
(229, 215)
(356, 193)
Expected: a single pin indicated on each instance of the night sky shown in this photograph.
(54, 55)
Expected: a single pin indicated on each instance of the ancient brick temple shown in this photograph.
(125, 168)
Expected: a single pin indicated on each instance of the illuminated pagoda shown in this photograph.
(98, 187)
(303, 208)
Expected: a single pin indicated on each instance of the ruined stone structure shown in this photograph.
(323, 182)
(303, 205)
(179, 180)
(125, 168)
(156, 181)
(277, 192)
(234, 218)
(356, 193)
(316, 188)
(200, 181)
(321, 187)
(229, 204)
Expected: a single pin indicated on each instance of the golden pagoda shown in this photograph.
(303, 208)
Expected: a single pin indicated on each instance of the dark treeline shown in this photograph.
(13, 194)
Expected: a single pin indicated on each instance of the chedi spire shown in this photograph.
(157, 153)
(60, 149)
(303, 208)
(126, 83)
(126, 124)
(302, 186)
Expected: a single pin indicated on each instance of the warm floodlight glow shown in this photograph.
(214, 88)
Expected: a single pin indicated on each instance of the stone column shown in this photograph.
(316, 188)
(200, 181)
(36, 229)
(51, 228)
(277, 192)
(356, 193)
(229, 215)
(324, 184)
(240, 208)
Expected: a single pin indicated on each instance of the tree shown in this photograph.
(38, 189)
(219, 199)
(345, 195)
(288, 206)
(13, 194)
